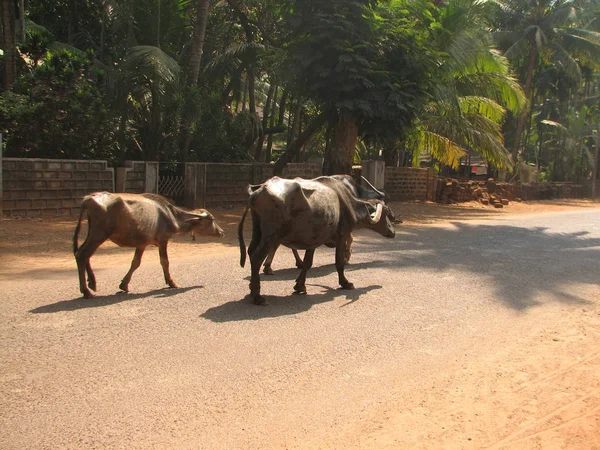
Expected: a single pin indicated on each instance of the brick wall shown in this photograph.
(409, 183)
(302, 170)
(226, 184)
(544, 191)
(136, 176)
(50, 187)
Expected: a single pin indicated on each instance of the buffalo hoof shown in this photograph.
(173, 285)
(348, 286)
(87, 294)
(124, 287)
(268, 271)
(299, 289)
(260, 300)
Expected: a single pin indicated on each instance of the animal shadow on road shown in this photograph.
(279, 306)
(107, 300)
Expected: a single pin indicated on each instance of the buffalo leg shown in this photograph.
(82, 256)
(135, 263)
(267, 269)
(91, 276)
(300, 287)
(164, 262)
(340, 256)
(256, 259)
(348, 251)
(298, 259)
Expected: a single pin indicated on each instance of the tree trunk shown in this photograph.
(202, 8)
(523, 117)
(269, 151)
(265, 123)
(311, 129)
(596, 163)
(346, 133)
(8, 34)
(22, 20)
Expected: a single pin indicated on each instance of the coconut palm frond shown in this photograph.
(566, 61)
(518, 49)
(440, 147)
(560, 16)
(503, 89)
(583, 43)
(483, 106)
(152, 62)
(555, 125)
(491, 149)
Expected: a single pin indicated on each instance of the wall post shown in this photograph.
(121, 178)
(374, 171)
(151, 184)
(195, 185)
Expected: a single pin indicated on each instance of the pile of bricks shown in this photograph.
(487, 192)
(492, 193)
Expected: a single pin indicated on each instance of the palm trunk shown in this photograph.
(596, 163)
(202, 9)
(523, 117)
(8, 34)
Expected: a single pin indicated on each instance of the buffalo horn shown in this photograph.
(373, 187)
(375, 218)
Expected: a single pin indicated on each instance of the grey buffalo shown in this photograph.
(303, 215)
(134, 220)
(366, 193)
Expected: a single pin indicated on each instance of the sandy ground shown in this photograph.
(538, 391)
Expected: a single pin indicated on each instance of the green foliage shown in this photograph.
(106, 79)
(354, 58)
(59, 112)
(218, 135)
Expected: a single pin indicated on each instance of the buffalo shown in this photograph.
(134, 220)
(303, 215)
(366, 193)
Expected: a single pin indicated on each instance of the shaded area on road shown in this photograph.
(520, 262)
(105, 300)
(278, 306)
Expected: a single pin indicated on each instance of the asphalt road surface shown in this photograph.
(202, 367)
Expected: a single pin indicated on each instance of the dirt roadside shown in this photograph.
(540, 390)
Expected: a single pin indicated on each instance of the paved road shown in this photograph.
(201, 367)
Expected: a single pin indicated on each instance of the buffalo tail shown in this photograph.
(241, 239)
(76, 234)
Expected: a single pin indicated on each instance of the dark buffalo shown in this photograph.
(362, 192)
(303, 215)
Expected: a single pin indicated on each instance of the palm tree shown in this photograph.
(473, 91)
(534, 30)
